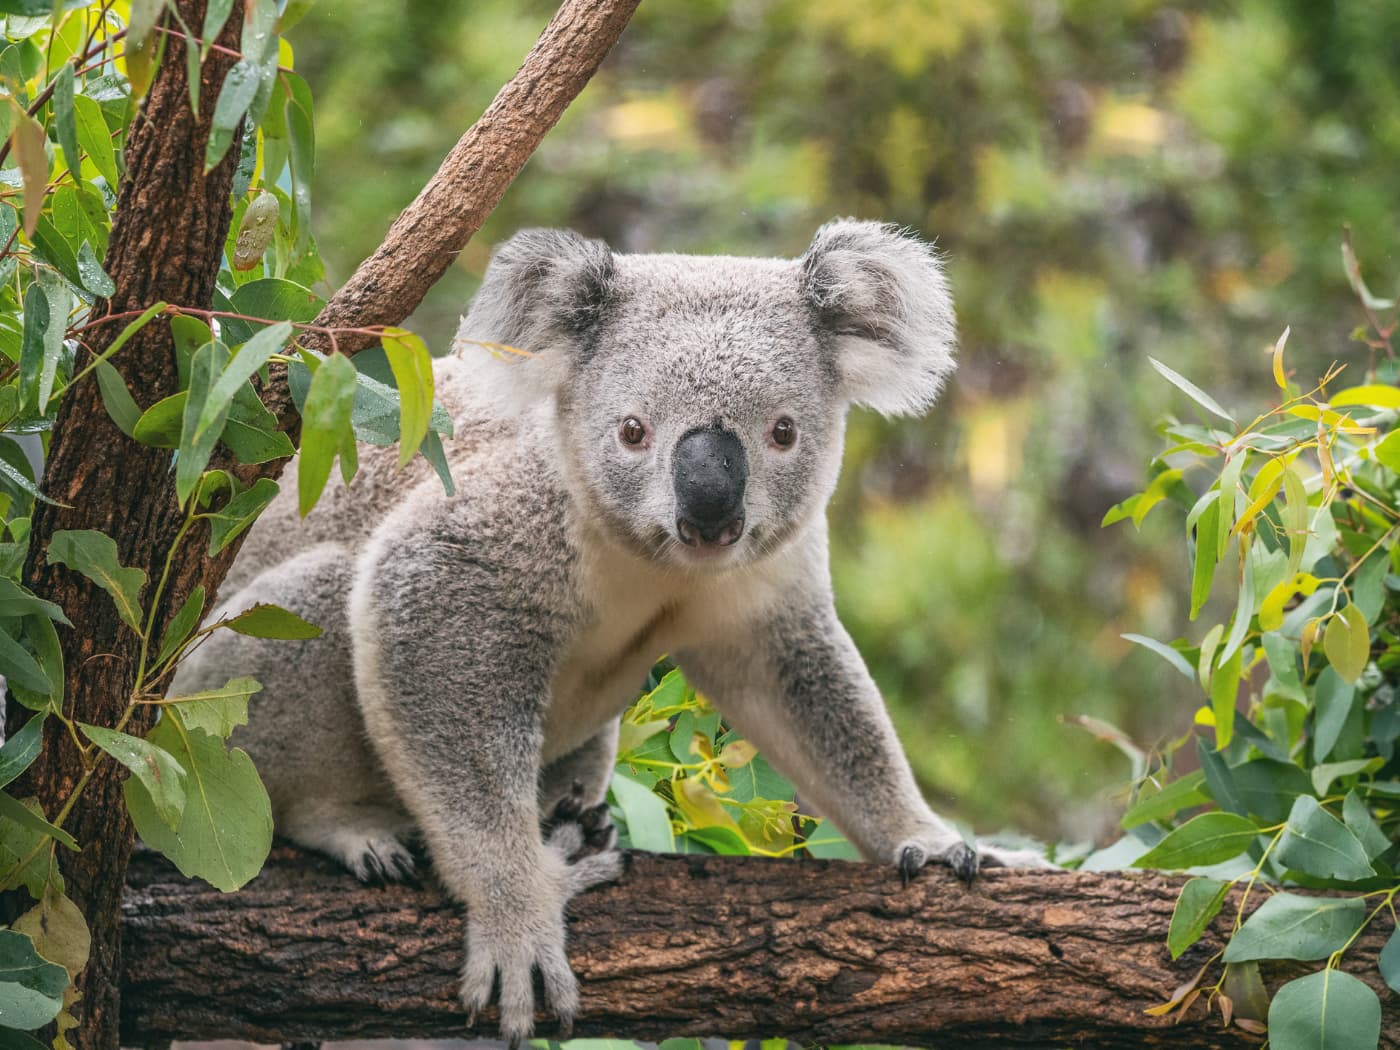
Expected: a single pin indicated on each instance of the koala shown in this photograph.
(648, 475)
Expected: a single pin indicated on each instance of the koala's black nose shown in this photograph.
(710, 471)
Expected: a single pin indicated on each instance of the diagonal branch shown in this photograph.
(426, 238)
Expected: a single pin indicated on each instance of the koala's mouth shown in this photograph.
(700, 537)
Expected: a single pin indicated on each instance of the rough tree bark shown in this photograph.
(167, 237)
(166, 240)
(817, 951)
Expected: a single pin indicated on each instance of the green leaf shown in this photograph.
(413, 375)
(22, 749)
(1331, 1010)
(301, 136)
(1334, 700)
(1206, 839)
(63, 119)
(117, 399)
(196, 445)
(1191, 390)
(1182, 793)
(31, 988)
(273, 298)
(271, 621)
(1224, 691)
(1361, 824)
(1203, 568)
(17, 601)
(1319, 844)
(648, 824)
(13, 810)
(94, 277)
(1325, 773)
(217, 712)
(1390, 961)
(1166, 652)
(159, 426)
(157, 770)
(1347, 643)
(214, 18)
(14, 471)
(95, 139)
(251, 431)
(237, 514)
(325, 426)
(1199, 902)
(31, 354)
(244, 364)
(1287, 926)
(60, 301)
(185, 620)
(1268, 787)
(225, 831)
(434, 453)
(236, 95)
(94, 554)
(725, 841)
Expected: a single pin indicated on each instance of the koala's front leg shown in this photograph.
(452, 670)
(798, 688)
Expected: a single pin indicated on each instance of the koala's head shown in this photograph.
(700, 402)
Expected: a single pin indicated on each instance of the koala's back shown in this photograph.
(349, 514)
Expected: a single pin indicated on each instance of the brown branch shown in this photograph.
(426, 238)
(817, 951)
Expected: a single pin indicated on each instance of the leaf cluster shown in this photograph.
(1292, 520)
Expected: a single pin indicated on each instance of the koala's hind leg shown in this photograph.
(305, 733)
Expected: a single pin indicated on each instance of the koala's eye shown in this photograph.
(784, 432)
(632, 431)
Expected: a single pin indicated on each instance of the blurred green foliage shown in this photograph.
(1108, 179)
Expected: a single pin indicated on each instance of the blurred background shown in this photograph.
(1108, 180)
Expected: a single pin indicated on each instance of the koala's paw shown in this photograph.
(588, 853)
(957, 855)
(964, 860)
(513, 954)
(381, 859)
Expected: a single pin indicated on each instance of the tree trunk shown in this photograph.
(167, 237)
(816, 951)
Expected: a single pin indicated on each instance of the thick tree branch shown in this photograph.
(817, 951)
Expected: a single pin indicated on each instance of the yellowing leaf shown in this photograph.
(1376, 395)
(1347, 643)
(1279, 377)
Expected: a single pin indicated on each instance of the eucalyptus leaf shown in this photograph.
(94, 554)
(157, 770)
(1289, 926)
(1331, 1010)
(225, 831)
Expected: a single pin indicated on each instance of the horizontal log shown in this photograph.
(737, 947)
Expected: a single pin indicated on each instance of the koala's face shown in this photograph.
(701, 402)
(704, 419)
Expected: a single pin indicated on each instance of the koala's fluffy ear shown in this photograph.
(544, 292)
(882, 293)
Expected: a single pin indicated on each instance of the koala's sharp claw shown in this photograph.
(964, 861)
(911, 859)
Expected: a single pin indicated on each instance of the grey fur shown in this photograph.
(479, 650)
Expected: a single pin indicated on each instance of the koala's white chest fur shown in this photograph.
(638, 613)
